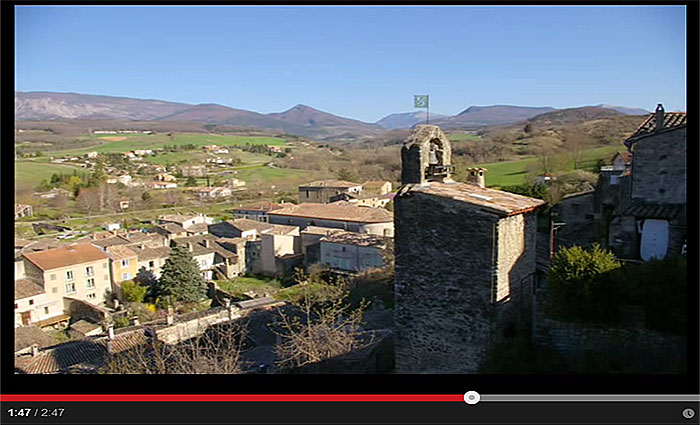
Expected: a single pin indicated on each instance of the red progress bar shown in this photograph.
(232, 397)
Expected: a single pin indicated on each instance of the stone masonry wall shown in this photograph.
(658, 168)
(444, 279)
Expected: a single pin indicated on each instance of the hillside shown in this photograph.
(219, 114)
(480, 116)
(572, 116)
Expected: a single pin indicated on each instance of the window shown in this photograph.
(125, 263)
(151, 264)
(89, 271)
(46, 310)
(91, 296)
(91, 283)
(53, 276)
(69, 275)
(54, 290)
(104, 265)
(126, 276)
(16, 306)
(203, 263)
(31, 302)
(70, 288)
(386, 232)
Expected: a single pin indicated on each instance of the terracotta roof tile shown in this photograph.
(66, 256)
(357, 239)
(352, 213)
(25, 288)
(495, 201)
(671, 120)
(260, 206)
(120, 252)
(244, 225)
(26, 336)
(147, 253)
(331, 183)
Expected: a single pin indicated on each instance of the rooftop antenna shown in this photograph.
(421, 101)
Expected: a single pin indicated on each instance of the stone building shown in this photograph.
(465, 260)
(325, 191)
(649, 219)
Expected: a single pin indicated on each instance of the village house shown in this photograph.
(193, 171)
(325, 191)
(377, 221)
(150, 259)
(212, 257)
(352, 252)
(464, 257)
(103, 240)
(124, 266)
(160, 185)
(240, 228)
(92, 154)
(311, 242)
(376, 187)
(280, 250)
(206, 193)
(79, 272)
(22, 210)
(235, 183)
(650, 218)
(364, 199)
(165, 177)
(185, 220)
(53, 193)
(256, 211)
(170, 230)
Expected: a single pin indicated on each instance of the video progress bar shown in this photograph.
(590, 397)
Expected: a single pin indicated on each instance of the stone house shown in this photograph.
(256, 211)
(353, 218)
(205, 193)
(193, 171)
(240, 228)
(575, 219)
(150, 259)
(311, 242)
(352, 252)
(649, 219)
(23, 211)
(464, 257)
(280, 250)
(377, 187)
(186, 221)
(325, 191)
(79, 271)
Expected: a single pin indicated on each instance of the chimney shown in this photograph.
(659, 117)
(35, 350)
(189, 246)
(135, 321)
(170, 317)
(110, 347)
(206, 243)
(110, 332)
(476, 176)
(142, 246)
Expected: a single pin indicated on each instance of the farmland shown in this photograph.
(509, 173)
(458, 137)
(109, 143)
(29, 173)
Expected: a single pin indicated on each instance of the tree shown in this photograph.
(191, 181)
(216, 350)
(347, 175)
(88, 199)
(322, 326)
(180, 277)
(133, 292)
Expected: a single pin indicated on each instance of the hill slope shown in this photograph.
(406, 119)
(479, 116)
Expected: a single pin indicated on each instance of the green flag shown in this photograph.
(420, 101)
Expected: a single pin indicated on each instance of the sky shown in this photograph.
(361, 62)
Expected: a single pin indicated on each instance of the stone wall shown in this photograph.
(444, 280)
(578, 212)
(658, 168)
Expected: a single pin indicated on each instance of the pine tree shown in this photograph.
(180, 277)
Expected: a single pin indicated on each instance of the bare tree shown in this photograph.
(216, 350)
(319, 328)
(89, 199)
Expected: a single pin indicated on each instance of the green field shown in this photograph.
(510, 173)
(457, 137)
(145, 141)
(259, 285)
(29, 173)
(269, 174)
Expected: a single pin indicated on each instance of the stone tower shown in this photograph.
(426, 156)
(465, 261)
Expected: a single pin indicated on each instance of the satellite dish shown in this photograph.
(654, 239)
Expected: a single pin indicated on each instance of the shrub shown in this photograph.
(133, 292)
(584, 285)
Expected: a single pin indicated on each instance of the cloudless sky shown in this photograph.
(361, 62)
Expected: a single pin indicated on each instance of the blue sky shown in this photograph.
(362, 62)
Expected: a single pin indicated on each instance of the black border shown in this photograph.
(346, 384)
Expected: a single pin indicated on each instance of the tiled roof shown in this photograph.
(25, 288)
(352, 213)
(626, 156)
(66, 256)
(21, 243)
(108, 242)
(244, 225)
(176, 218)
(316, 230)
(495, 201)
(84, 326)
(172, 228)
(653, 211)
(331, 183)
(89, 352)
(260, 206)
(198, 228)
(279, 229)
(671, 120)
(147, 253)
(26, 336)
(374, 184)
(20, 207)
(120, 252)
(357, 239)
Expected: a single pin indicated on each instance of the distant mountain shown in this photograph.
(572, 116)
(624, 110)
(223, 115)
(406, 120)
(47, 106)
(312, 120)
(479, 116)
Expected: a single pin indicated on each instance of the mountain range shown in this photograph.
(300, 120)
